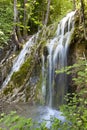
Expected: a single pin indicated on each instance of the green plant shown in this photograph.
(79, 70)
(75, 110)
(55, 124)
(6, 19)
(13, 121)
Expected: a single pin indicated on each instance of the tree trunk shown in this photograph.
(83, 18)
(15, 13)
(14, 28)
(20, 39)
(25, 21)
(47, 13)
(74, 4)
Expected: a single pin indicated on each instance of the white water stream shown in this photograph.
(57, 59)
(21, 58)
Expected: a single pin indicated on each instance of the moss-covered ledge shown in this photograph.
(19, 76)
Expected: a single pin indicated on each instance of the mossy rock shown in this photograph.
(8, 90)
(19, 76)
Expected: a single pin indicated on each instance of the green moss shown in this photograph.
(38, 93)
(19, 76)
(8, 90)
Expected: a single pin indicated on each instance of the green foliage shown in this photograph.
(55, 124)
(37, 16)
(6, 19)
(31, 16)
(13, 121)
(59, 9)
(75, 110)
(80, 70)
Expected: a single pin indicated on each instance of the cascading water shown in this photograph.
(21, 58)
(56, 85)
(44, 78)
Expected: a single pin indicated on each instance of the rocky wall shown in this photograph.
(5, 68)
(25, 85)
(77, 51)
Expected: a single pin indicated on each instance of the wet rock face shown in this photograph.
(7, 55)
(4, 70)
(77, 51)
(33, 80)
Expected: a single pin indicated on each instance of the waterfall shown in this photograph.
(21, 58)
(43, 78)
(56, 84)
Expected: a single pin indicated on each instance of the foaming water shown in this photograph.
(44, 113)
(49, 114)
